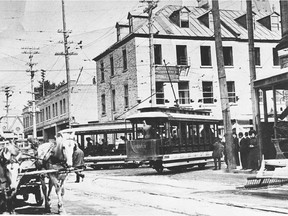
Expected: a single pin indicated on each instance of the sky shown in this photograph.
(35, 24)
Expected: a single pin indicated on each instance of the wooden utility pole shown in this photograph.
(31, 52)
(152, 4)
(223, 87)
(43, 81)
(8, 93)
(66, 54)
(250, 29)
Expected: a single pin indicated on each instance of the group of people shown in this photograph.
(248, 147)
(246, 144)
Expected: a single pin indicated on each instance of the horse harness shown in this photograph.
(3, 163)
(50, 159)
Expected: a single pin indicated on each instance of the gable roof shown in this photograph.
(230, 28)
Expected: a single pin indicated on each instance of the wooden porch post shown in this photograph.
(265, 106)
(275, 111)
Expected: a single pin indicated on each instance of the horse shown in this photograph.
(9, 170)
(56, 156)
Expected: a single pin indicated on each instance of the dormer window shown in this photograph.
(181, 17)
(242, 20)
(207, 20)
(271, 22)
(184, 19)
(275, 24)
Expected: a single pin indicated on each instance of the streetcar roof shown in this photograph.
(172, 116)
(98, 128)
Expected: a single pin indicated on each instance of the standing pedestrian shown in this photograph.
(217, 154)
(78, 162)
(253, 156)
(244, 150)
(236, 148)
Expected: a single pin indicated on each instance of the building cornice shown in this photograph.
(178, 37)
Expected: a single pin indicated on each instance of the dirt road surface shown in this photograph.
(142, 191)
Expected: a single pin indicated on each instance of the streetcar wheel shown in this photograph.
(96, 167)
(159, 169)
(201, 166)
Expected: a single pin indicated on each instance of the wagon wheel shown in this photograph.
(25, 196)
(38, 197)
(39, 201)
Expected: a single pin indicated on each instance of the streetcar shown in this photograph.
(172, 138)
(103, 144)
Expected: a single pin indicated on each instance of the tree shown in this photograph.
(48, 88)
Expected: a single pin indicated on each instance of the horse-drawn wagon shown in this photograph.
(26, 170)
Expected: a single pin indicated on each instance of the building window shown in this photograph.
(160, 93)
(41, 115)
(257, 56)
(37, 117)
(112, 65)
(260, 96)
(49, 112)
(124, 56)
(53, 110)
(103, 104)
(157, 54)
(184, 19)
(102, 71)
(126, 96)
(275, 24)
(228, 56)
(181, 52)
(208, 97)
(205, 55)
(275, 57)
(231, 91)
(184, 97)
(113, 100)
(47, 115)
(56, 109)
(64, 106)
(61, 107)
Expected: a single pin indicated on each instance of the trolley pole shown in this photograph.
(152, 4)
(223, 87)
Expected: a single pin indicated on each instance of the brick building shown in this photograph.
(183, 37)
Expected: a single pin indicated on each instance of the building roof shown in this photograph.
(231, 29)
(279, 81)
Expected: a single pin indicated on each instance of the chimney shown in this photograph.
(136, 21)
(206, 4)
(122, 30)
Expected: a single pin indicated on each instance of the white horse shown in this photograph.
(56, 157)
(9, 170)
